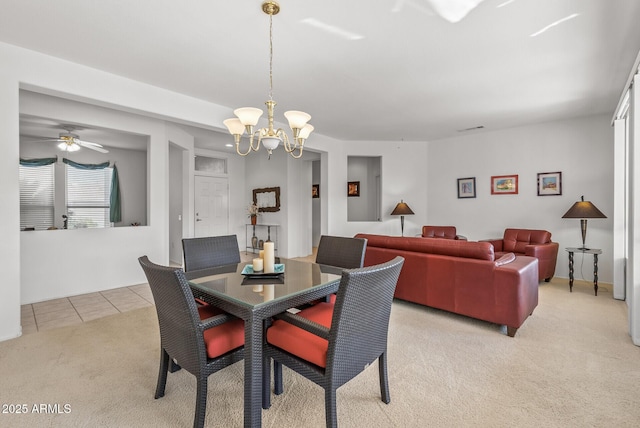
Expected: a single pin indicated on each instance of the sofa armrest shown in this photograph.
(542, 251)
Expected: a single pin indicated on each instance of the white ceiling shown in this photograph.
(411, 75)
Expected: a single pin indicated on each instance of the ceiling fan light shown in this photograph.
(234, 126)
(297, 119)
(248, 115)
(68, 147)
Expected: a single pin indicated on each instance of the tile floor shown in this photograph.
(72, 310)
(86, 307)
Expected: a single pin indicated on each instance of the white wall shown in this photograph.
(404, 176)
(43, 266)
(582, 149)
(175, 203)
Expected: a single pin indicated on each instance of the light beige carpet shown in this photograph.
(571, 364)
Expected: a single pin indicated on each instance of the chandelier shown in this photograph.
(247, 117)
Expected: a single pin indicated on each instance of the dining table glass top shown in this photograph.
(255, 291)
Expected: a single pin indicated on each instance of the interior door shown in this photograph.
(211, 206)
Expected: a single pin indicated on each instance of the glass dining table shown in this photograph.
(257, 298)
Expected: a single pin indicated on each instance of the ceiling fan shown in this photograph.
(70, 142)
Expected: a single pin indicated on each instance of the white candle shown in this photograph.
(257, 265)
(257, 288)
(269, 257)
(261, 254)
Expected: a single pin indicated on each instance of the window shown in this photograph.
(212, 165)
(36, 196)
(88, 197)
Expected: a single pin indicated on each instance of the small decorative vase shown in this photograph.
(254, 242)
(254, 219)
(261, 245)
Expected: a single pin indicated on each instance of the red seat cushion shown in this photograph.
(208, 311)
(299, 342)
(223, 338)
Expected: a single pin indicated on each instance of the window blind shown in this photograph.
(88, 197)
(36, 196)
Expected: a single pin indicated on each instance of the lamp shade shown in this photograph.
(584, 209)
(402, 209)
(297, 119)
(248, 115)
(234, 126)
(305, 131)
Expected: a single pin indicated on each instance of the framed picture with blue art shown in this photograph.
(466, 187)
(549, 183)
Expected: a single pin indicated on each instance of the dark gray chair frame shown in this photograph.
(181, 332)
(357, 336)
(347, 253)
(209, 252)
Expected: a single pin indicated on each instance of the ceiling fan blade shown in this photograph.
(48, 139)
(89, 143)
(93, 146)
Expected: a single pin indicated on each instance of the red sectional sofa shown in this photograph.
(461, 277)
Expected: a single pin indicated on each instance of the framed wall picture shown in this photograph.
(504, 185)
(466, 187)
(549, 183)
(267, 199)
(353, 188)
(315, 191)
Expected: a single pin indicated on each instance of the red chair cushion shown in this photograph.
(223, 338)
(299, 342)
(208, 311)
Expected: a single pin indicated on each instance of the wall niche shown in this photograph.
(366, 170)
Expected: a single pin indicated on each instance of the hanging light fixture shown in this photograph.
(247, 117)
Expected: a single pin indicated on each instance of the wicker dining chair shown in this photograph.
(347, 253)
(200, 346)
(342, 252)
(203, 254)
(209, 252)
(332, 344)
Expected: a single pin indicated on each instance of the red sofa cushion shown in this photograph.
(299, 342)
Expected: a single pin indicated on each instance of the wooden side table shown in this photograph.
(595, 252)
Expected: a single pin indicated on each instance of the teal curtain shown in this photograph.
(38, 162)
(115, 212)
(102, 165)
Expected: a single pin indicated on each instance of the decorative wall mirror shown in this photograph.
(267, 199)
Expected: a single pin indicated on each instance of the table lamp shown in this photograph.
(402, 209)
(583, 210)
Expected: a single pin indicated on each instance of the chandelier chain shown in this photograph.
(270, 56)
